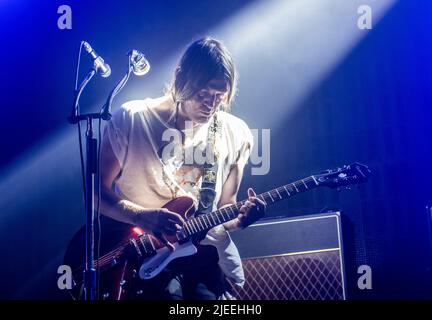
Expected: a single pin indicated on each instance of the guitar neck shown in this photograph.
(207, 221)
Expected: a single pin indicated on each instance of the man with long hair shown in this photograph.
(155, 150)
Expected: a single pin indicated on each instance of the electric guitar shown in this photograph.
(129, 253)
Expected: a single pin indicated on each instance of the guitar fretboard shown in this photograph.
(207, 221)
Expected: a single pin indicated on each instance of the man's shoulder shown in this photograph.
(134, 106)
(233, 122)
(239, 134)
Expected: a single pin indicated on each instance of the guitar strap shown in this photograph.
(225, 256)
(207, 192)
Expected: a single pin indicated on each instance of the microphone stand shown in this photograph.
(90, 173)
(89, 275)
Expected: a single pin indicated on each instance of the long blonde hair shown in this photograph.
(204, 60)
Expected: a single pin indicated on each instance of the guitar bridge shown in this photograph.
(143, 246)
(182, 236)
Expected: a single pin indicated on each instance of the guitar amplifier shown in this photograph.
(292, 259)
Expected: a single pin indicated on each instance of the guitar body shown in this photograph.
(127, 253)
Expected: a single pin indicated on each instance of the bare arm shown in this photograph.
(155, 220)
(111, 204)
(251, 211)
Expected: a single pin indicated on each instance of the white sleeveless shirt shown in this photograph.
(152, 173)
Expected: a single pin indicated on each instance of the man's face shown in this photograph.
(201, 107)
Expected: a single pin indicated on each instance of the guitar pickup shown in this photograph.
(135, 245)
(146, 245)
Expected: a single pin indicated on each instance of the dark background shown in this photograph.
(373, 107)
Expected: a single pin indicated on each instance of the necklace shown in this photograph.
(169, 181)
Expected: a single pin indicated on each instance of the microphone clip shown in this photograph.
(139, 64)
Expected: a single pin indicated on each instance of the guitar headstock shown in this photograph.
(354, 173)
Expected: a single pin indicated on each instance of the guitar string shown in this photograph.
(108, 256)
(219, 213)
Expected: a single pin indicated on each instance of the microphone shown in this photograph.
(99, 63)
(140, 65)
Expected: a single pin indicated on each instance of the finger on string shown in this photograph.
(251, 192)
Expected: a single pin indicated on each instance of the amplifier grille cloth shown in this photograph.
(308, 276)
